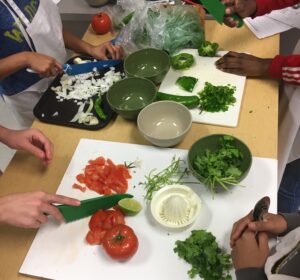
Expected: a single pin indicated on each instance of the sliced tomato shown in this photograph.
(95, 237)
(79, 187)
(104, 176)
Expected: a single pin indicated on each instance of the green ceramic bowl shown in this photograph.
(211, 142)
(129, 96)
(152, 64)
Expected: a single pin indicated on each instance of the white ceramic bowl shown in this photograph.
(164, 123)
(175, 206)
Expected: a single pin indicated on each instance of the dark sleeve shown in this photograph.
(292, 219)
(266, 6)
(251, 274)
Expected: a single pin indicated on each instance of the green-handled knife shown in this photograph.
(217, 10)
(89, 206)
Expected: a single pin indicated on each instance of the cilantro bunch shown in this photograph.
(208, 261)
(216, 98)
(222, 166)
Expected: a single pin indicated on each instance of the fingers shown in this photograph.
(263, 241)
(112, 51)
(61, 199)
(239, 227)
(54, 212)
(45, 145)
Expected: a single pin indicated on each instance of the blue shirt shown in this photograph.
(12, 41)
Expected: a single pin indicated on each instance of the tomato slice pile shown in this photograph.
(101, 222)
(107, 228)
(104, 177)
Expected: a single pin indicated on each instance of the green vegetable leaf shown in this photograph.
(187, 83)
(208, 261)
(172, 174)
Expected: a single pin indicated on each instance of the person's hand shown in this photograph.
(250, 251)
(29, 210)
(106, 50)
(43, 65)
(244, 8)
(272, 224)
(31, 140)
(243, 64)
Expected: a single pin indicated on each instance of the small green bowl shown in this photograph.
(211, 142)
(129, 96)
(152, 64)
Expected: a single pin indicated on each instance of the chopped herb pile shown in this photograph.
(182, 61)
(208, 261)
(208, 49)
(222, 166)
(186, 83)
(216, 98)
(168, 176)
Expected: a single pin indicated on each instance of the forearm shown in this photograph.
(251, 273)
(75, 44)
(293, 221)
(13, 63)
(267, 6)
(4, 135)
(286, 68)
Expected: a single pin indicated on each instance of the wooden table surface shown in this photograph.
(258, 127)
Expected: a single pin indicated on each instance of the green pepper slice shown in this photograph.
(182, 61)
(98, 109)
(188, 101)
(186, 83)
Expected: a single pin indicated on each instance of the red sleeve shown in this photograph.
(286, 68)
(267, 6)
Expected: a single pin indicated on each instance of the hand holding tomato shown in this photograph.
(120, 242)
(101, 23)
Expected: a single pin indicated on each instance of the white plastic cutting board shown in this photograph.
(60, 251)
(205, 70)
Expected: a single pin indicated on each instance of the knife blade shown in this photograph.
(217, 10)
(89, 206)
(76, 69)
(261, 208)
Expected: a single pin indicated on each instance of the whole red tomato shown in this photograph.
(120, 242)
(101, 23)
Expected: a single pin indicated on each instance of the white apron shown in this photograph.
(286, 244)
(289, 124)
(45, 31)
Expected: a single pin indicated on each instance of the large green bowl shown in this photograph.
(152, 64)
(129, 96)
(211, 142)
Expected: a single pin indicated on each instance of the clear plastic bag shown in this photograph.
(166, 27)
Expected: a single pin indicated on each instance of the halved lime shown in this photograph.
(130, 206)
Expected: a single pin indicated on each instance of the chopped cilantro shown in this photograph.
(216, 98)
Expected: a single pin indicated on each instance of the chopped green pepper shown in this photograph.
(187, 83)
(190, 102)
(98, 108)
(182, 61)
(208, 49)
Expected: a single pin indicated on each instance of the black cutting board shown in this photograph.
(50, 110)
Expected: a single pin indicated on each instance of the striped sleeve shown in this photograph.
(286, 68)
(267, 6)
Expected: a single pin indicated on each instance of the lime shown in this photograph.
(130, 206)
